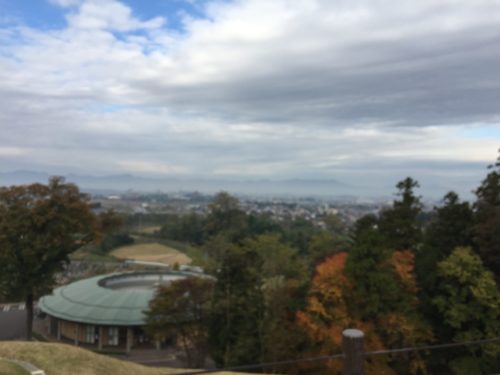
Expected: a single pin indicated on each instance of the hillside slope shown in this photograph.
(62, 359)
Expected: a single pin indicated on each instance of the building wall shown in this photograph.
(68, 330)
(105, 336)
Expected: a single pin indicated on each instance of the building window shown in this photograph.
(90, 334)
(113, 336)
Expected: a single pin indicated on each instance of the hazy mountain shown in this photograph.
(430, 188)
(125, 182)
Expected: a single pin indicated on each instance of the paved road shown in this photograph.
(12, 321)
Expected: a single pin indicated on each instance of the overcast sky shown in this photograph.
(353, 90)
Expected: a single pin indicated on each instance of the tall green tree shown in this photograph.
(214, 251)
(325, 244)
(280, 338)
(399, 224)
(278, 258)
(237, 309)
(364, 223)
(335, 225)
(450, 227)
(40, 225)
(285, 276)
(182, 308)
(298, 233)
(468, 301)
(187, 228)
(383, 291)
(111, 229)
(487, 219)
(226, 217)
(261, 223)
(374, 287)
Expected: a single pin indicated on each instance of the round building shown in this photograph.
(106, 311)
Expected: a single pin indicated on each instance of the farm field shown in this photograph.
(150, 229)
(151, 252)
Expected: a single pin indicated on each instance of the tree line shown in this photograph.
(287, 290)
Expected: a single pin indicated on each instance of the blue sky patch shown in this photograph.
(41, 14)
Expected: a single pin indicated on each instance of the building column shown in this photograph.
(101, 338)
(58, 328)
(130, 338)
(77, 333)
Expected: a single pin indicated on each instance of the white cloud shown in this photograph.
(66, 3)
(109, 15)
(12, 151)
(150, 167)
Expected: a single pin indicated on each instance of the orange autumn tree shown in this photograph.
(327, 315)
(373, 290)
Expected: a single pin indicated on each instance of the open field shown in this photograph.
(151, 252)
(63, 359)
(149, 229)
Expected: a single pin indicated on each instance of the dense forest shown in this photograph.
(287, 290)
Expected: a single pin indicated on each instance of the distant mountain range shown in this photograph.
(124, 182)
(379, 189)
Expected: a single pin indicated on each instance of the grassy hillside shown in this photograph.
(152, 252)
(62, 359)
(8, 368)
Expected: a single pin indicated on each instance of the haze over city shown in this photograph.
(363, 93)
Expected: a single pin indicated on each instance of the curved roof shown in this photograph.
(116, 299)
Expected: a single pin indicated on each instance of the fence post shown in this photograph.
(352, 345)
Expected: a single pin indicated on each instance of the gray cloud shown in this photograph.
(257, 89)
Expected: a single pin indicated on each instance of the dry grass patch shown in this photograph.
(150, 230)
(63, 359)
(151, 252)
(9, 368)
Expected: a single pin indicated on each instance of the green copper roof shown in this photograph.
(98, 300)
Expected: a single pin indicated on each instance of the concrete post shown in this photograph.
(130, 339)
(352, 345)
